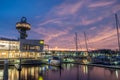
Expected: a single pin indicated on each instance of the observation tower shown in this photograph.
(22, 27)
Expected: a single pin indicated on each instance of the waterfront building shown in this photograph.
(11, 48)
(24, 48)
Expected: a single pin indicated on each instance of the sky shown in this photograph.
(57, 21)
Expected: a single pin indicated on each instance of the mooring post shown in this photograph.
(5, 76)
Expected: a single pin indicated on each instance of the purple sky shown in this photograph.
(56, 21)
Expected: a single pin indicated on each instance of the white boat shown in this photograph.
(18, 67)
(56, 61)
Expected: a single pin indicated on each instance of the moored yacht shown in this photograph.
(56, 61)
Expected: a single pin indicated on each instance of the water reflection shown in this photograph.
(1, 74)
(116, 73)
(19, 75)
(66, 72)
(85, 69)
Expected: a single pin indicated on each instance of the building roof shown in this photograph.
(7, 39)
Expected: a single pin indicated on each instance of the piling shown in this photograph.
(5, 75)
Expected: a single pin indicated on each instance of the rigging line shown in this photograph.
(86, 41)
(79, 42)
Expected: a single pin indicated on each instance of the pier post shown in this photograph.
(5, 76)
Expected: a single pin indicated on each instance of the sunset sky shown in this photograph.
(56, 21)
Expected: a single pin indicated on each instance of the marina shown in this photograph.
(40, 69)
(60, 40)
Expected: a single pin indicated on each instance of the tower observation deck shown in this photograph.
(22, 27)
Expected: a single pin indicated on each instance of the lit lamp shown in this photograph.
(42, 42)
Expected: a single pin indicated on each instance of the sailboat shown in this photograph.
(113, 60)
(83, 58)
(117, 57)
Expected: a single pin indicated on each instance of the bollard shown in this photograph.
(5, 76)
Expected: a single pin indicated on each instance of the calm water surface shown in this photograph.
(66, 72)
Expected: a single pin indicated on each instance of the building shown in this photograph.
(24, 48)
(11, 48)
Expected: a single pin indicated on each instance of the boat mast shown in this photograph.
(76, 43)
(86, 42)
(117, 27)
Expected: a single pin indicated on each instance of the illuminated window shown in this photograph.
(41, 42)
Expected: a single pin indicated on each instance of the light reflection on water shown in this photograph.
(66, 72)
(1, 74)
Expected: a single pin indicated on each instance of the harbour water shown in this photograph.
(66, 72)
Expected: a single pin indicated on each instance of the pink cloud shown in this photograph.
(86, 21)
(116, 8)
(67, 17)
(92, 28)
(51, 33)
(101, 4)
(104, 38)
(70, 8)
(67, 8)
(55, 21)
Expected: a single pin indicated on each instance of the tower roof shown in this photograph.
(23, 24)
